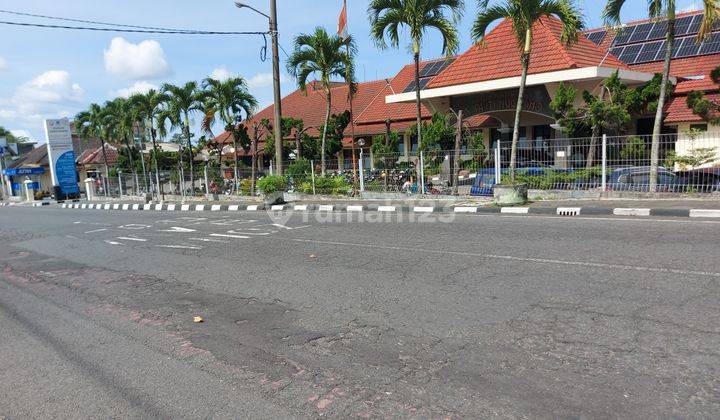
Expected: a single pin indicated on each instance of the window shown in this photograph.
(698, 127)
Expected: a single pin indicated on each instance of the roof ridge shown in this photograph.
(556, 39)
(380, 92)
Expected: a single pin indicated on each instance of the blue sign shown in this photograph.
(24, 171)
(66, 175)
(18, 186)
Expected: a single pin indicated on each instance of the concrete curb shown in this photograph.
(349, 208)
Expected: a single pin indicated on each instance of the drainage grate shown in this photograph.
(568, 211)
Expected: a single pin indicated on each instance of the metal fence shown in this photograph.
(687, 163)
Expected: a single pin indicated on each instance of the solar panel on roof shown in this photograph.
(649, 51)
(682, 25)
(689, 48)
(629, 54)
(423, 82)
(695, 24)
(597, 37)
(641, 32)
(623, 35)
(711, 44)
(616, 51)
(659, 31)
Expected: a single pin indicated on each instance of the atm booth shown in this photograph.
(16, 177)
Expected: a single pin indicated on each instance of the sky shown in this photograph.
(50, 73)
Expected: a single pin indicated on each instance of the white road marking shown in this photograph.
(704, 213)
(234, 232)
(158, 207)
(177, 229)
(300, 207)
(465, 209)
(200, 207)
(631, 212)
(252, 208)
(208, 240)
(222, 235)
(423, 209)
(147, 206)
(326, 207)
(133, 226)
(126, 206)
(215, 207)
(136, 206)
(276, 207)
(514, 258)
(355, 208)
(515, 210)
(130, 238)
(282, 226)
(233, 207)
(96, 231)
(185, 207)
(171, 207)
(113, 242)
(179, 246)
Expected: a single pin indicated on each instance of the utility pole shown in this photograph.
(277, 127)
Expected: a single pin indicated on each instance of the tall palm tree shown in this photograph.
(389, 17)
(150, 106)
(228, 100)
(658, 9)
(524, 14)
(326, 57)
(182, 102)
(89, 123)
(118, 122)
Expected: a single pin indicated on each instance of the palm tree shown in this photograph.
(150, 108)
(228, 100)
(182, 102)
(658, 9)
(118, 122)
(326, 57)
(524, 14)
(89, 123)
(388, 17)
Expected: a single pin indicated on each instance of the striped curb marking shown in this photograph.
(515, 210)
(704, 213)
(568, 211)
(631, 212)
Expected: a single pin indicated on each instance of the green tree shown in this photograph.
(182, 102)
(706, 109)
(389, 17)
(90, 123)
(658, 9)
(327, 57)
(118, 122)
(150, 107)
(229, 100)
(524, 14)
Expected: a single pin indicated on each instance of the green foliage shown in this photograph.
(706, 109)
(385, 155)
(634, 150)
(298, 171)
(272, 183)
(551, 179)
(327, 185)
(245, 186)
(439, 134)
(335, 133)
(695, 157)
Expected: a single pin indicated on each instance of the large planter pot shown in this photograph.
(277, 197)
(510, 194)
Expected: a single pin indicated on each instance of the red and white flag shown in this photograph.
(342, 22)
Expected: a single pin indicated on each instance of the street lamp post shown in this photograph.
(277, 125)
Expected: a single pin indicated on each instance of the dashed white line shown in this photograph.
(131, 238)
(223, 235)
(179, 246)
(96, 231)
(113, 242)
(208, 240)
(177, 229)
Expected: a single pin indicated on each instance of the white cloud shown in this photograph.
(51, 94)
(221, 73)
(263, 80)
(3, 64)
(137, 87)
(145, 60)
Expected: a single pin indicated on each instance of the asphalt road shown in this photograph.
(461, 316)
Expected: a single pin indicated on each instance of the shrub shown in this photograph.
(298, 171)
(245, 185)
(272, 183)
(332, 185)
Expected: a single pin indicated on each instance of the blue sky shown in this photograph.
(46, 73)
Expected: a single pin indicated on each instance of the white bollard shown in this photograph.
(90, 189)
(29, 190)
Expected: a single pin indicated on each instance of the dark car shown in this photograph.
(637, 178)
(704, 180)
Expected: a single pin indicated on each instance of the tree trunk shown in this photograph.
(298, 147)
(657, 127)
(456, 157)
(153, 137)
(132, 164)
(192, 159)
(324, 135)
(416, 57)
(525, 61)
(235, 165)
(253, 159)
(142, 159)
(593, 144)
(107, 170)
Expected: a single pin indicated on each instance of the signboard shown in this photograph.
(17, 186)
(535, 100)
(24, 171)
(61, 155)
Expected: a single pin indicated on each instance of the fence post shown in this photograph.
(604, 163)
(207, 184)
(119, 174)
(421, 181)
(362, 173)
(271, 167)
(312, 174)
(498, 163)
